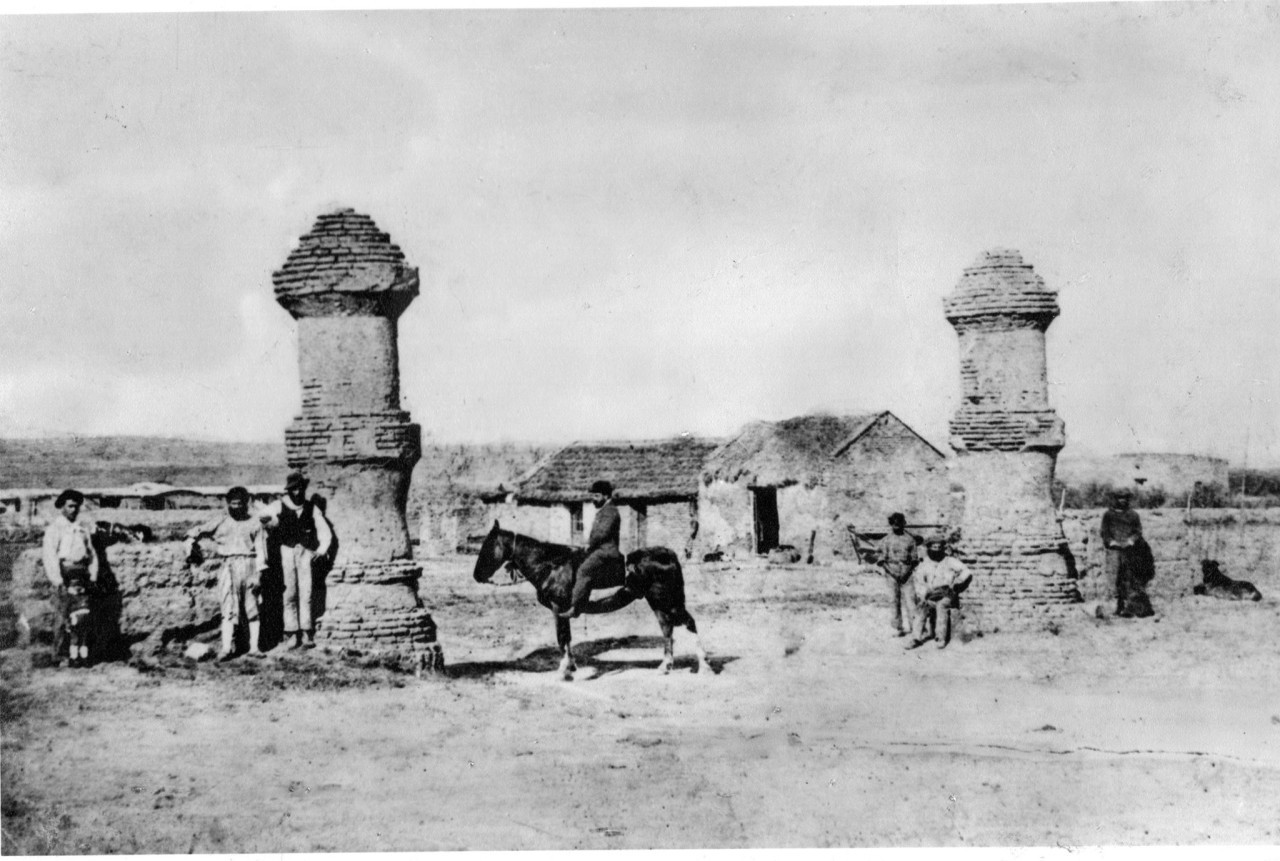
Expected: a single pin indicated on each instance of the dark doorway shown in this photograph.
(766, 517)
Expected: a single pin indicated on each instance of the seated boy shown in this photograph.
(939, 581)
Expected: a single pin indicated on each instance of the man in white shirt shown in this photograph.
(303, 534)
(71, 564)
(939, 581)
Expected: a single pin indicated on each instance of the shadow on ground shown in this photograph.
(547, 659)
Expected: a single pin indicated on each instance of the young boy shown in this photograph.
(239, 540)
(898, 556)
(71, 564)
(939, 581)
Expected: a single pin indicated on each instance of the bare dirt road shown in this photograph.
(817, 730)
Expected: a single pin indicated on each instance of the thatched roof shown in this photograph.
(651, 471)
(793, 451)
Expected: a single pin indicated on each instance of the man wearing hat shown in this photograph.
(1122, 538)
(303, 534)
(71, 564)
(939, 581)
(603, 567)
(898, 556)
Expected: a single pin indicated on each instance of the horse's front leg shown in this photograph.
(564, 637)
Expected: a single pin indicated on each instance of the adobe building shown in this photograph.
(655, 487)
(346, 284)
(1006, 439)
(779, 483)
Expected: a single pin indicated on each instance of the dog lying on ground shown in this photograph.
(1219, 585)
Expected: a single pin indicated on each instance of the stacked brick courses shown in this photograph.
(1006, 438)
(347, 284)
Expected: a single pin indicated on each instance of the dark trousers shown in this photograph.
(603, 569)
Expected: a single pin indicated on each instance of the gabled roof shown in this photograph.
(792, 451)
(644, 471)
(846, 444)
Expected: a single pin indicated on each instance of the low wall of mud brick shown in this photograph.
(158, 592)
(1245, 542)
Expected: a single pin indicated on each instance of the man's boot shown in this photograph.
(944, 626)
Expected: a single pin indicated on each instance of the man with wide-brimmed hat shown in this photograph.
(303, 533)
(71, 564)
(603, 567)
(940, 578)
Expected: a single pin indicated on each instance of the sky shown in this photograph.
(635, 223)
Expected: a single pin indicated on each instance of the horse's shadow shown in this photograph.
(547, 660)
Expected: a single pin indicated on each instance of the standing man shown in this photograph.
(71, 564)
(939, 581)
(898, 556)
(1127, 556)
(303, 533)
(603, 567)
(241, 543)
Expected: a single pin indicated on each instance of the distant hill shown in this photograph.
(121, 460)
(111, 461)
(445, 477)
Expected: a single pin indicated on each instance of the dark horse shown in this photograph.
(652, 572)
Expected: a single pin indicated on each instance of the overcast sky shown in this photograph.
(636, 223)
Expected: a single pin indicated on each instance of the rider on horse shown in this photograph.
(603, 566)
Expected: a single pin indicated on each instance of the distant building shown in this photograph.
(779, 483)
(1175, 474)
(35, 506)
(655, 484)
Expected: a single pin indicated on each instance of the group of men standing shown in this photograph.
(926, 591)
(294, 528)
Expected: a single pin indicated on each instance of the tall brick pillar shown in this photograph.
(347, 285)
(1006, 439)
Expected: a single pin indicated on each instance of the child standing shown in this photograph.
(240, 541)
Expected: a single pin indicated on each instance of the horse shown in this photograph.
(651, 572)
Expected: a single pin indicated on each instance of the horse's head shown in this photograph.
(494, 553)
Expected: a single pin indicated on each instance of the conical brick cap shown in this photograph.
(1000, 284)
(345, 253)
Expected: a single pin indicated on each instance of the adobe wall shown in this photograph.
(159, 592)
(727, 520)
(672, 525)
(724, 519)
(1245, 542)
(1175, 474)
(889, 471)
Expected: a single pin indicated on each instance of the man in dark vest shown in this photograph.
(303, 534)
(603, 567)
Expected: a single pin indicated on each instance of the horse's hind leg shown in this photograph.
(704, 665)
(564, 637)
(668, 643)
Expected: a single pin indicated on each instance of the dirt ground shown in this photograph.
(816, 730)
